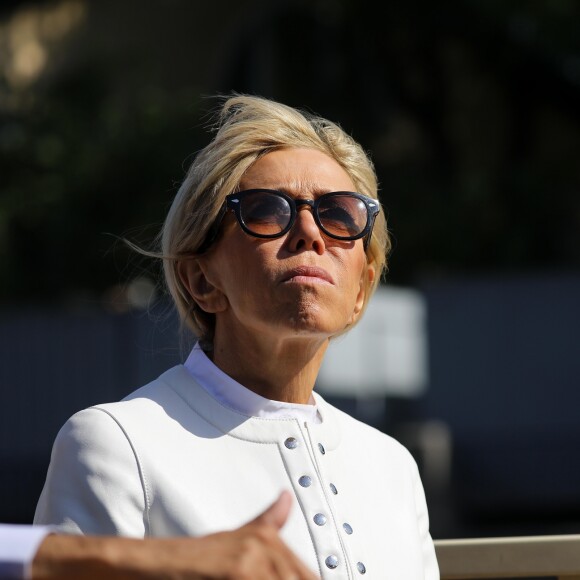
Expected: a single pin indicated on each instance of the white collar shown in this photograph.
(235, 396)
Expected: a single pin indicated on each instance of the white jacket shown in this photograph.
(171, 460)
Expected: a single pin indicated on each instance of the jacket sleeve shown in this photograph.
(18, 545)
(94, 483)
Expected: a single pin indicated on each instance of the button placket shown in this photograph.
(354, 566)
(354, 547)
(301, 459)
(334, 560)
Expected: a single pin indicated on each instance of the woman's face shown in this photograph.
(303, 283)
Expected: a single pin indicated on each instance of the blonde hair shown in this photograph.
(246, 128)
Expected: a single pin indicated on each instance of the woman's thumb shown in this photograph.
(277, 514)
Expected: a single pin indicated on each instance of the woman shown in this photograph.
(273, 245)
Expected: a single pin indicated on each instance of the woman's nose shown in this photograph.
(305, 233)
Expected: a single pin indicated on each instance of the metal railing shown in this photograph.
(525, 558)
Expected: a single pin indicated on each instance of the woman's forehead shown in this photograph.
(297, 171)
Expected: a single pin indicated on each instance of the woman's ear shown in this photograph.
(366, 281)
(193, 275)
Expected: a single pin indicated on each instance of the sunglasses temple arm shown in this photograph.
(367, 239)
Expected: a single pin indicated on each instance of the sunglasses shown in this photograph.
(268, 213)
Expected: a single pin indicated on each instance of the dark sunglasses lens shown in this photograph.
(265, 214)
(344, 216)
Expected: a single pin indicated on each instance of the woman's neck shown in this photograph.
(281, 370)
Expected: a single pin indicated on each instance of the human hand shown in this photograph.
(254, 551)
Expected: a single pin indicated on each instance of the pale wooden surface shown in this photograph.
(512, 557)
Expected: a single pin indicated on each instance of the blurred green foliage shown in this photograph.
(78, 173)
(470, 110)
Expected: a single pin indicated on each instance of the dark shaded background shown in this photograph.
(470, 110)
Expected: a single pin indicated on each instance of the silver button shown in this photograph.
(305, 481)
(321, 448)
(331, 562)
(319, 519)
(333, 489)
(347, 528)
(291, 443)
(361, 568)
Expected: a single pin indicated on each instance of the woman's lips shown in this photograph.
(308, 275)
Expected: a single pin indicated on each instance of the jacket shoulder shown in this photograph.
(160, 393)
(363, 434)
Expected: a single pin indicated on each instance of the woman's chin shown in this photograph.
(315, 324)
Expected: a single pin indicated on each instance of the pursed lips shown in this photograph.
(308, 274)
